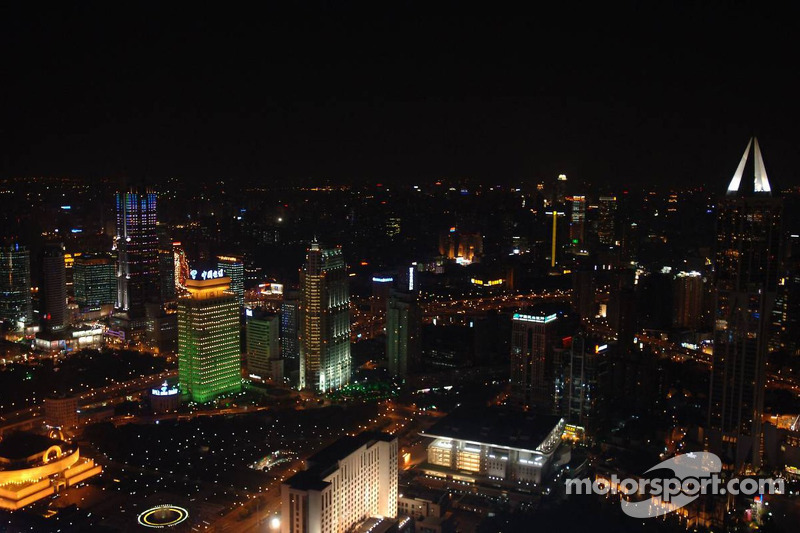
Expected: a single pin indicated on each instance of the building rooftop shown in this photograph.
(499, 426)
(322, 463)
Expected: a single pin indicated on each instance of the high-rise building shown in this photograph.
(233, 267)
(209, 359)
(745, 280)
(325, 362)
(136, 242)
(577, 222)
(403, 333)
(353, 479)
(688, 300)
(53, 289)
(606, 222)
(94, 280)
(583, 293)
(166, 266)
(290, 330)
(588, 365)
(262, 341)
(537, 359)
(15, 286)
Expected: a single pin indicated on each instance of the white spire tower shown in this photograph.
(761, 183)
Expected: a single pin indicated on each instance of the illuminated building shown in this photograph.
(561, 188)
(166, 267)
(345, 483)
(588, 366)
(61, 411)
(606, 222)
(94, 282)
(290, 330)
(53, 290)
(15, 286)
(136, 243)
(325, 362)
(577, 221)
(493, 444)
(381, 288)
(234, 269)
(688, 300)
(209, 357)
(263, 345)
(393, 226)
(463, 247)
(33, 467)
(746, 278)
(181, 267)
(403, 333)
(536, 359)
(165, 399)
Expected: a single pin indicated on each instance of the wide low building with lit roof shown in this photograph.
(494, 445)
(34, 466)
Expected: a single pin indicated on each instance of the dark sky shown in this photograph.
(648, 92)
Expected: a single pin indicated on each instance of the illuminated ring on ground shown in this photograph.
(163, 516)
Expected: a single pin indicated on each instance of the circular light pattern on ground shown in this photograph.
(163, 516)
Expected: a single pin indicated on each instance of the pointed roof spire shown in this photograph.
(760, 183)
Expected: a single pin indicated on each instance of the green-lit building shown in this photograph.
(15, 286)
(209, 357)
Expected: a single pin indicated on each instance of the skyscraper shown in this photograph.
(403, 332)
(745, 280)
(588, 365)
(94, 281)
(15, 286)
(325, 362)
(688, 300)
(536, 359)
(233, 267)
(137, 252)
(290, 330)
(577, 222)
(53, 290)
(262, 343)
(209, 359)
(606, 223)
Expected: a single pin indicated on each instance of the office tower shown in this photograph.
(262, 341)
(745, 280)
(94, 280)
(577, 221)
(561, 188)
(583, 297)
(353, 479)
(180, 266)
(15, 286)
(606, 223)
(688, 300)
(403, 333)
(61, 411)
(166, 265)
(381, 290)
(464, 247)
(233, 267)
(290, 330)
(136, 243)
(588, 366)
(536, 359)
(325, 362)
(209, 361)
(53, 290)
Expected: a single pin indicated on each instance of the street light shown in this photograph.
(275, 523)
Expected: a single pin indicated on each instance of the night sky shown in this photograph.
(651, 94)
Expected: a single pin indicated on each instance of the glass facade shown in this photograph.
(15, 285)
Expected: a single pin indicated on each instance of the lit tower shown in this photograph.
(325, 362)
(209, 356)
(233, 267)
(15, 286)
(137, 252)
(54, 288)
(745, 280)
